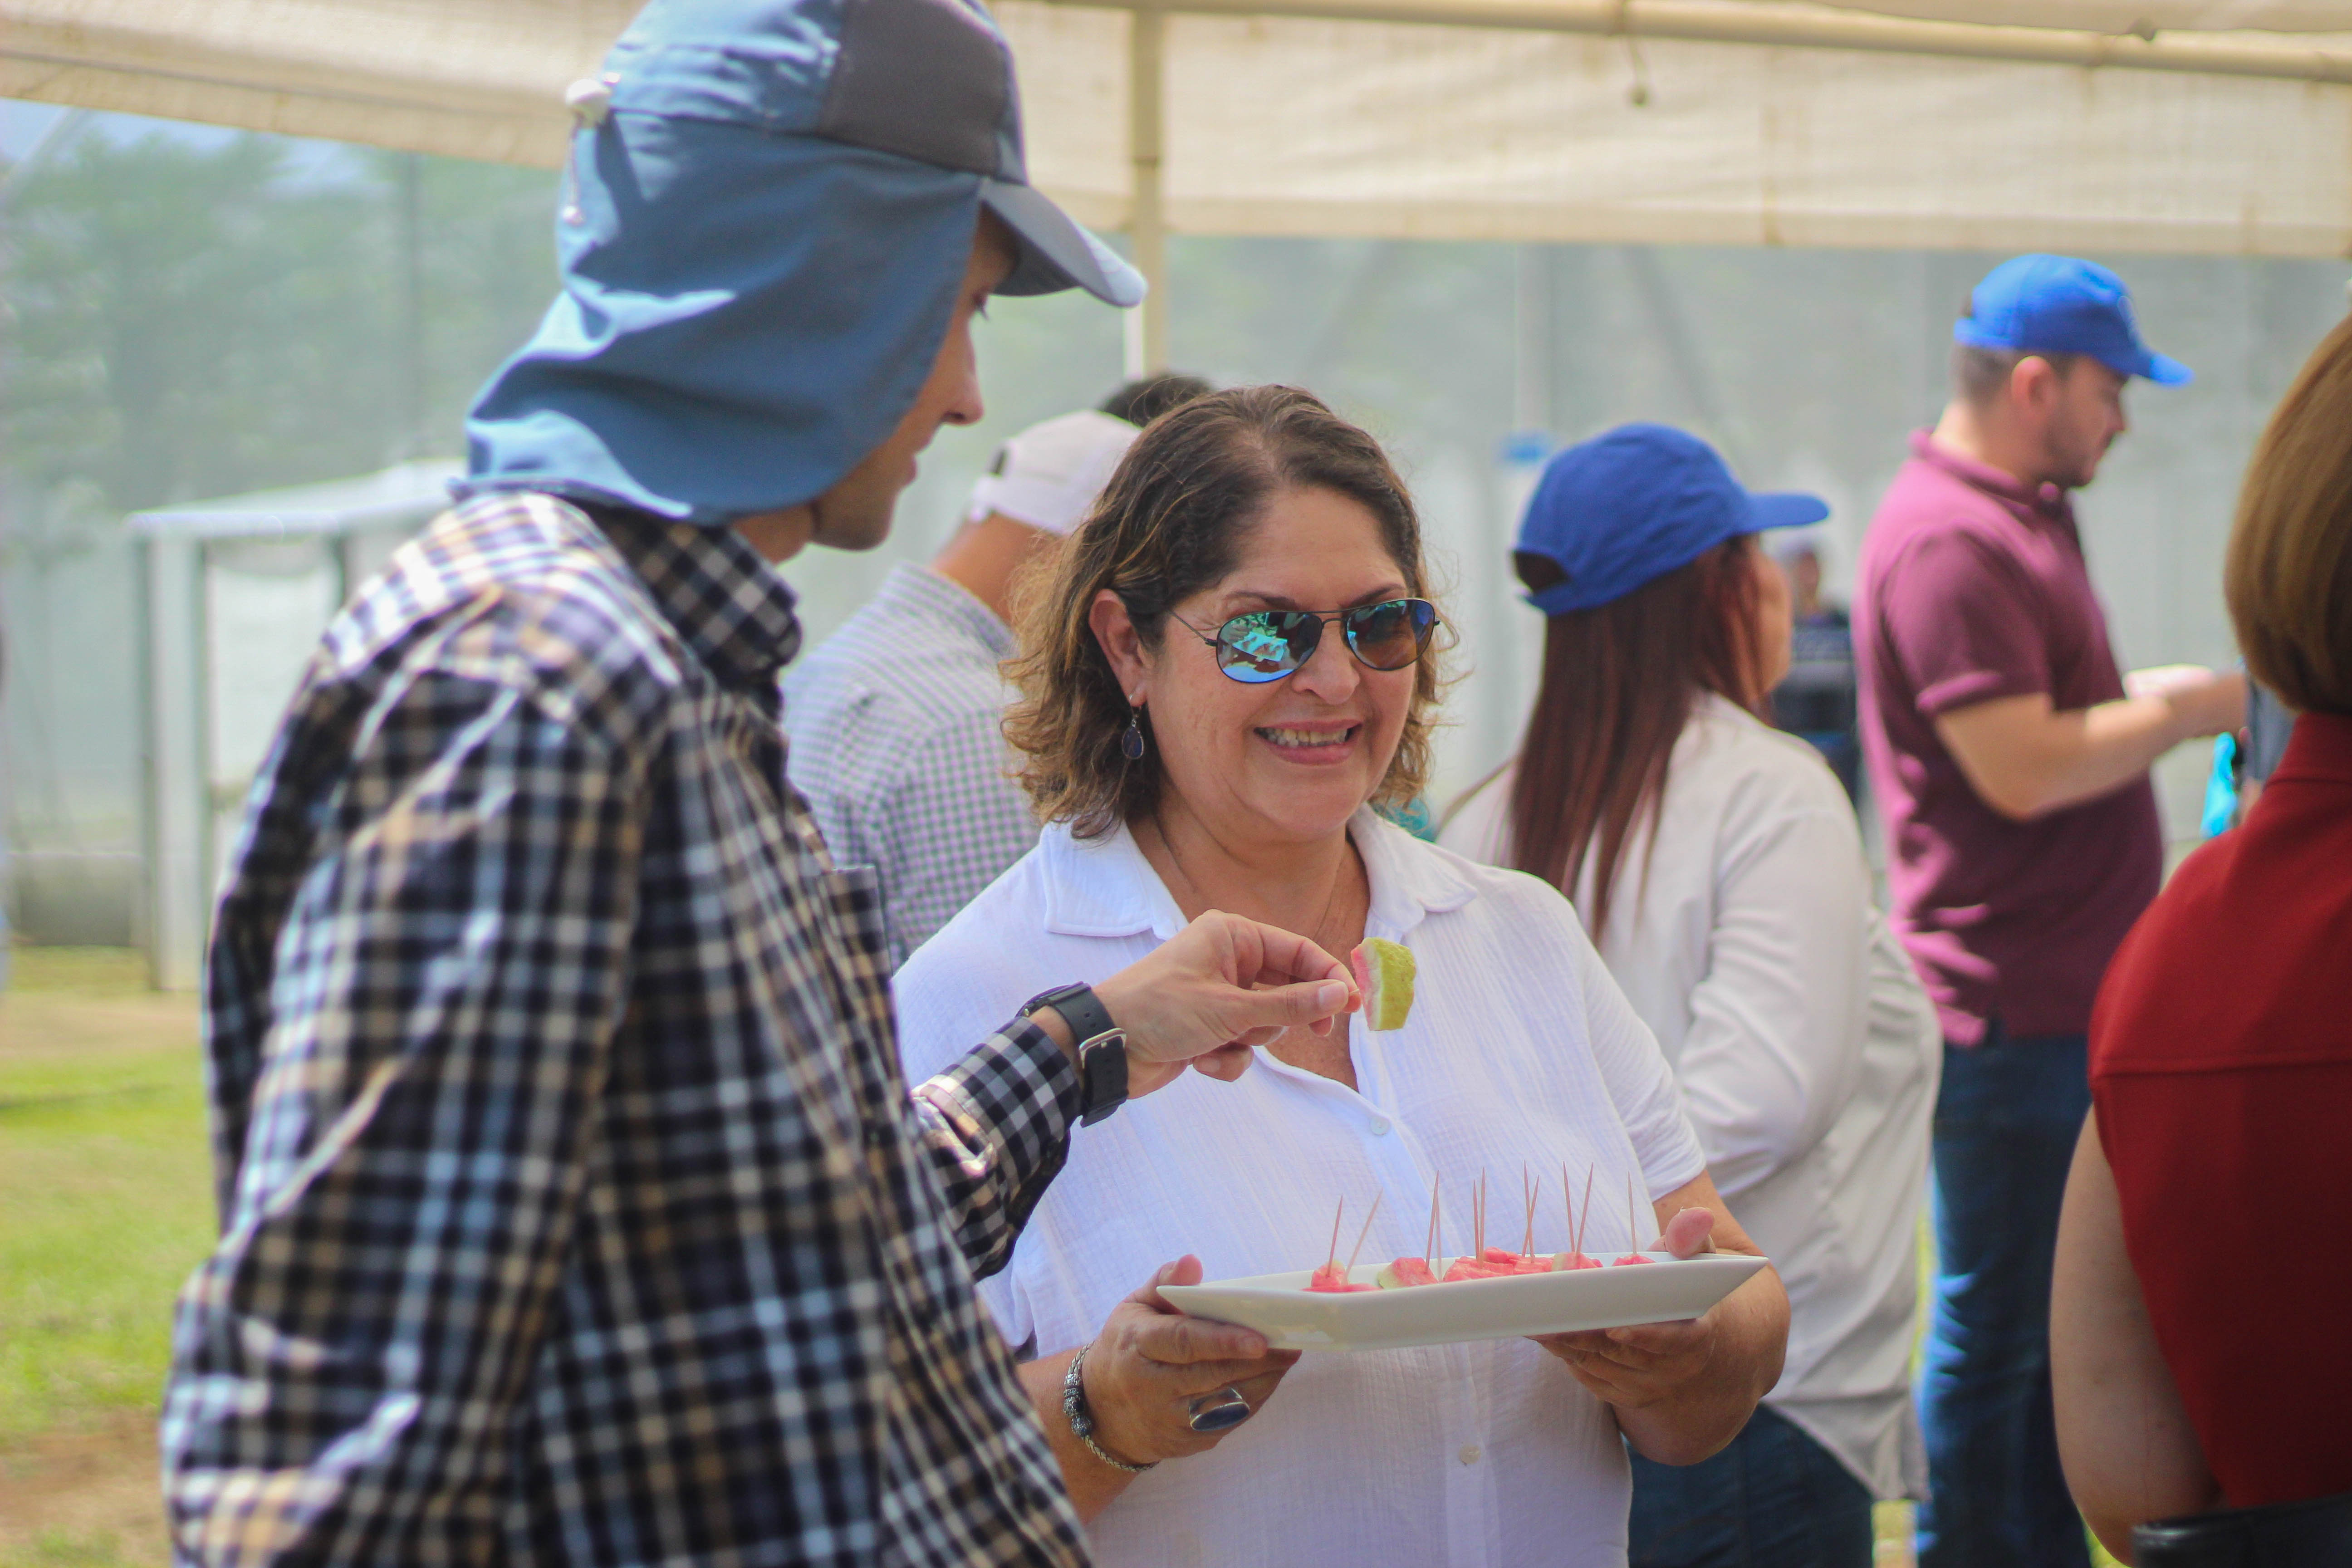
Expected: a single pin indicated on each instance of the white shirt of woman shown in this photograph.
(1744, 934)
(1520, 1057)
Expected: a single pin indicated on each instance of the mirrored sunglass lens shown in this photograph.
(1265, 644)
(1389, 636)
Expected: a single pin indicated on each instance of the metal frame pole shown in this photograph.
(1810, 28)
(1147, 223)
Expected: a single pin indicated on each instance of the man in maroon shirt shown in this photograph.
(2010, 759)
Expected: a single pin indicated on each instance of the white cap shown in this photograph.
(1049, 475)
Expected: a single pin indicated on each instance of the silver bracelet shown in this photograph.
(1082, 1421)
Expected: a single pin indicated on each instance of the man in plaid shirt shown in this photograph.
(573, 1208)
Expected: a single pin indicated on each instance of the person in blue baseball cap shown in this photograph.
(1719, 869)
(574, 1207)
(2041, 359)
(2009, 755)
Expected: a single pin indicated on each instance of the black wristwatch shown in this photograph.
(1102, 1047)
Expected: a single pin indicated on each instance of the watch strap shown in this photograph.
(1079, 1007)
(1101, 1047)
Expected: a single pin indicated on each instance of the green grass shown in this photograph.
(68, 1549)
(105, 1187)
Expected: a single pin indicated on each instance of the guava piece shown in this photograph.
(1384, 973)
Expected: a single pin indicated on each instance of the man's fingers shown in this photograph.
(1226, 1063)
(1265, 954)
(1288, 1006)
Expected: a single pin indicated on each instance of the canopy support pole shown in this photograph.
(1147, 224)
(1807, 28)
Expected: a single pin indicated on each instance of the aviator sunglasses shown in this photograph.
(1268, 645)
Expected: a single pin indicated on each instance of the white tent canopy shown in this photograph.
(2215, 126)
(1903, 122)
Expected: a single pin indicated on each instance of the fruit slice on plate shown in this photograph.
(1405, 1272)
(1384, 975)
(1331, 1279)
(1516, 1262)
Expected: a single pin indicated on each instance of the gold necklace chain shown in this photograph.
(1323, 922)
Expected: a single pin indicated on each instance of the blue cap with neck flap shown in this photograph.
(768, 212)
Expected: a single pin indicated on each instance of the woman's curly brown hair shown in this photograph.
(1167, 525)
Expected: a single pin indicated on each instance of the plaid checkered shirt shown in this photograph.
(574, 1209)
(896, 727)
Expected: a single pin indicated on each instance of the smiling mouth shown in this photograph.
(1304, 738)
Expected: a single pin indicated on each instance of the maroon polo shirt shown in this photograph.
(1973, 588)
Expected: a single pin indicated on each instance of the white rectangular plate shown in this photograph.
(1291, 1317)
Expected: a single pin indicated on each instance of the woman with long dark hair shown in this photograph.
(1719, 869)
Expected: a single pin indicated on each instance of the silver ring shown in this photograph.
(1220, 1412)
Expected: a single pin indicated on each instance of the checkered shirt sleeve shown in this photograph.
(574, 1210)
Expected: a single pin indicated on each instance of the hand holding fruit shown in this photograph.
(1216, 989)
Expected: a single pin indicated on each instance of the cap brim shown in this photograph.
(1055, 253)
(1785, 509)
(2166, 371)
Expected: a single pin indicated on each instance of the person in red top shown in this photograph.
(2008, 756)
(2197, 1347)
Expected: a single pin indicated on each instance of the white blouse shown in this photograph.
(1806, 1050)
(1520, 1055)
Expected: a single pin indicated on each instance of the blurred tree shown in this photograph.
(193, 318)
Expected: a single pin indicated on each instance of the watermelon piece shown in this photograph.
(1472, 1268)
(1406, 1272)
(1516, 1262)
(1384, 973)
(1629, 1257)
(1333, 1281)
(1563, 1261)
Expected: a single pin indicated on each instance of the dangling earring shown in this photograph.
(1132, 742)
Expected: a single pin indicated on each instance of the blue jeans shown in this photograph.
(1773, 1498)
(2006, 1121)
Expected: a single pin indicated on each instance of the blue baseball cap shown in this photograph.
(2056, 304)
(1628, 506)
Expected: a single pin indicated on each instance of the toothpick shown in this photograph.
(1429, 1257)
(1586, 1212)
(1567, 1208)
(1335, 1232)
(1529, 1244)
(1363, 1233)
(1633, 1228)
(1478, 1220)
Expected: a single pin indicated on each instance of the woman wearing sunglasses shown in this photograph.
(1231, 669)
(1718, 864)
